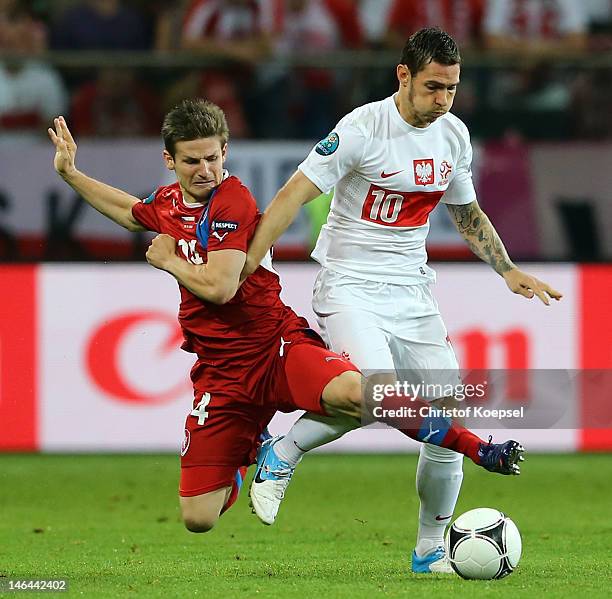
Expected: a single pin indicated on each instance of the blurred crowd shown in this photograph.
(534, 68)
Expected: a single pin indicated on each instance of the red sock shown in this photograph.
(236, 485)
(410, 416)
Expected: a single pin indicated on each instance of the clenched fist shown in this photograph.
(161, 251)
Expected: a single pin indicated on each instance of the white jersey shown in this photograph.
(388, 176)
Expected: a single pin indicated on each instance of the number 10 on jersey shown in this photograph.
(398, 208)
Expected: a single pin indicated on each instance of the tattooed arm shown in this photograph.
(476, 228)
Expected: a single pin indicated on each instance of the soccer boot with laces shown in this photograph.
(502, 458)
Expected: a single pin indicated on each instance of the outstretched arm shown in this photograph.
(476, 228)
(112, 202)
(281, 212)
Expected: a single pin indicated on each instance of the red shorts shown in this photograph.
(232, 407)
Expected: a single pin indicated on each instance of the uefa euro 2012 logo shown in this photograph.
(328, 145)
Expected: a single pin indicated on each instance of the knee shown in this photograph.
(199, 520)
(195, 524)
(200, 513)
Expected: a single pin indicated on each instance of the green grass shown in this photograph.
(110, 524)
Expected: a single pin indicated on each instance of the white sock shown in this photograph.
(438, 481)
(308, 432)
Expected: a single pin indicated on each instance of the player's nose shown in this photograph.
(441, 98)
(203, 169)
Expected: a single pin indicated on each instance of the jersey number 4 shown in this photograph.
(200, 410)
(399, 208)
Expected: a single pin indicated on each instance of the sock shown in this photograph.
(436, 430)
(438, 481)
(308, 432)
(236, 486)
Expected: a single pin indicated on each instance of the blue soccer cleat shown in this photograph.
(264, 435)
(502, 458)
(272, 477)
(434, 562)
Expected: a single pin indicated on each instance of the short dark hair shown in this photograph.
(429, 45)
(193, 119)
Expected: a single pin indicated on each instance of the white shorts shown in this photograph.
(385, 327)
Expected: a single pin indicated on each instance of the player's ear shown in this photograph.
(403, 74)
(169, 160)
(224, 152)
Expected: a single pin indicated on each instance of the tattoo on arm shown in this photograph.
(481, 236)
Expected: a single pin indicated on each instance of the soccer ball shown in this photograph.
(483, 544)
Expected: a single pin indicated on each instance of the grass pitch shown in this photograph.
(111, 526)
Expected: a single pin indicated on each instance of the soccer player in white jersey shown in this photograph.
(390, 163)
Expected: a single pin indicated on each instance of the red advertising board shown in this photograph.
(595, 285)
(18, 359)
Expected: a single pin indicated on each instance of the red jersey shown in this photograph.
(250, 323)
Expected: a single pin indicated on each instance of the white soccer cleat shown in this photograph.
(270, 482)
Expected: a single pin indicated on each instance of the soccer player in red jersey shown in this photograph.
(252, 350)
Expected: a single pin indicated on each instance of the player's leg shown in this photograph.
(335, 387)
(206, 492)
(421, 349)
(438, 481)
(222, 432)
(351, 395)
(308, 432)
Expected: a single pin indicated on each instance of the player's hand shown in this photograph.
(527, 286)
(65, 147)
(161, 251)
